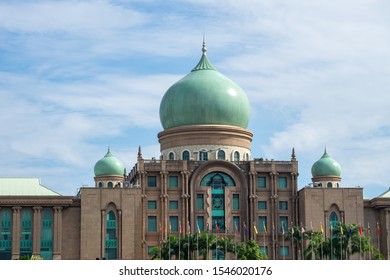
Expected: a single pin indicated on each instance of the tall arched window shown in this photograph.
(47, 235)
(329, 185)
(171, 156)
(333, 219)
(110, 185)
(26, 234)
(203, 155)
(221, 155)
(100, 184)
(5, 235)
(111, 239)
(236, 156)
(186, 155)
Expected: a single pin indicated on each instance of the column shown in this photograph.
(16, 228)
(57, 233)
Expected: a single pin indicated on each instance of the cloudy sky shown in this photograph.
(79, 76)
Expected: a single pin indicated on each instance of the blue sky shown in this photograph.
(79, 76)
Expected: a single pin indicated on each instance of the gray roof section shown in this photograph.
(385, 194)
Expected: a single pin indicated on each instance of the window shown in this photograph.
(109, 185)
(221, 155)
(283, 223)
(262, 205)
(264, 250)
(283, 182)
(261, 182)
(203, 155)
(337, 185)
(152, 181)
(100, 185)
(236, 224)
(200, 223)
(152, 204)
(236, 201)
(152, 224)
(333, 219)
(283, 205)
(5, 235)
(262, 224)
(283, 251)
(329, 185)
(173, 181)
(47, 235)
(110, 252)
(186, 155)
(173, 204)
(199, 201)
(174, 223)
(26, 234)
(171, 156)
(236, 156)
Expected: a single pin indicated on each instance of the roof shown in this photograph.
(24, 187)
(385, 194)
(326, 166)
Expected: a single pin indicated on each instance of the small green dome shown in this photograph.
(204, 96)
(109, 166)
(326, 166)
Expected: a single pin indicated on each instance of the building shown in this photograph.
(205, 177)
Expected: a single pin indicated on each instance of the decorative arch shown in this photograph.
(111, 233)
(185, 155)
(171, 156)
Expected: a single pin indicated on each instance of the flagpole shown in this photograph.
(197, 240)
(292, 240)
(207, 241)
(284, 255)
(179, 238)
(311, 239)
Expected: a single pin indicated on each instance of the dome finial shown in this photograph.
(204, 49)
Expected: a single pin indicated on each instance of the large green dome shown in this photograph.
(109, 166)
(326, 166)
(204, 96)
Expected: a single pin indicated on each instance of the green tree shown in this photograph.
(250, 251)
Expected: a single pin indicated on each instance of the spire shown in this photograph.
(293, 158)
(139, 152)
(204, 49)
(204, 63)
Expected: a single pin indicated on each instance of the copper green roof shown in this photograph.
(204, 96)
(385, 194)
(109, 165)
(326, 166)
(24, 187)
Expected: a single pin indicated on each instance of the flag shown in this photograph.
(216, 227)
(255, 228)
(321, 229)
(170, 227)
(292, 230)
(245, 228)
(341, 230)
(264, 228)
(197, 226)
(378, 229)
(160, 228)
(360, 230)
(235, 224)
(368, 229)
(179, 228)
(350, 231)
(282, 228)
(302, 229)
(189, 228)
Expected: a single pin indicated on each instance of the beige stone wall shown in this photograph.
(71, 233)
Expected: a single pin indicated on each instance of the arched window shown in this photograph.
(47, 235)
(5, 235)
(247, 157)
(221, 155)
(111, 239)
(110, 185)
(329, 185)
(100, 185)
(236, 156)
(186, 155)
(26, 234)
(171, 156)
(203, 155)
(333, 219)
(337, 185)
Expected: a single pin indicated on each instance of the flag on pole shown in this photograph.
(216, 227)
(350, 231)
(170, 227)
(255, 228)
(197, 226)
(245, 228)
(302, 229)
(321, 229)
(160, 228)
(378, 229)
(360, 230)
(292, 230)
(189, 227)
(264, 228)
(282, 228)
(180, 229)
(341, 230)
(235, 224)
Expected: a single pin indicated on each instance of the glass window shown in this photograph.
(221, 155)
(283, 205)
(152, 224)
(333, 219)
(152, 204)
(283, 182)
(329, 184)
(236, 201)
(264, 250)
(171, 156)
(174, 223)
(186, 155)
(152, 181)
(173, 181)
(236, 156)
(203, 155)
(100, 184)
(262, 205)
(173, 204)
(261, 182)
(110, 252)
(262, 225)
(200, 223)
(109, 185)
(199, 201)
(26, 234)
(47, 235)
(283, 223)
(236, 224)
(283, 251)
(5, 235)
